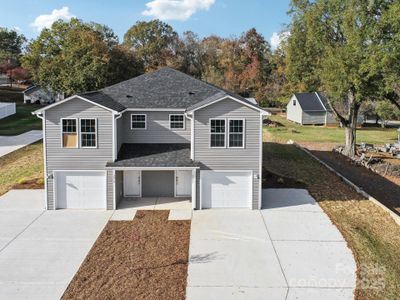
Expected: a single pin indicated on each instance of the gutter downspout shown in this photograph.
(191, 118)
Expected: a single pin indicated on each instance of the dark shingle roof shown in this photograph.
(165, 88)
(309, 102)
(103, 99)
(154, 155)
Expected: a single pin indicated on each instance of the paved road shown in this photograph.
(11, 143)
(288, 250)
(40, 251)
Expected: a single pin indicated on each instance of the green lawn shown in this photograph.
(20, 166)
(23, 120)
(299, 133)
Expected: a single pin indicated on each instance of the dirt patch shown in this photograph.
(276, 181)
(146, 258)
(31, 184)
(385, 191)
(319, 146)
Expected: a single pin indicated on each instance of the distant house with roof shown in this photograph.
(310, 109)
(38, 95)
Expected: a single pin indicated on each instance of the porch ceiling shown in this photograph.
(154, 155)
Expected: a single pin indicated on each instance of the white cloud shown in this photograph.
(45, 21)
(180, 10)
(277, 38)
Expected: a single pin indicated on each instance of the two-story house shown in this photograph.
(161, 134)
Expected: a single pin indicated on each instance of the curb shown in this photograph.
(359, 190)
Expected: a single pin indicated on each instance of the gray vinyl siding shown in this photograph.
(294, 112)
(331, 119)
(157, 129)
(310, 118)
(228, 158)
(110, 189)
(59, 158)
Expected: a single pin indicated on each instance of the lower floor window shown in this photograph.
(88, 133)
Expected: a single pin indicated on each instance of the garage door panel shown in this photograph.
(81, 189)
(226, 189)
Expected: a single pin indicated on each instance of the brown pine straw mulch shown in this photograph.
(146, 258)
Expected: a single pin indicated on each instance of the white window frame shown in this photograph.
(62, 132)
(210, 133)
(95, 133)
(145, 121)
(183, 122)
(243, 133)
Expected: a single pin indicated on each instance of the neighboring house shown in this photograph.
(38, 95)
(310, 109)
(7, 109)
(161, 134)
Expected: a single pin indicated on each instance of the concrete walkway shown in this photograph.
(40, 251)
(288, 250)
(11, 143)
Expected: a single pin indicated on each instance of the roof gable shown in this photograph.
(309, 102)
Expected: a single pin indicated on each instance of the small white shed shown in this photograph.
(310, 109)
(7, 109)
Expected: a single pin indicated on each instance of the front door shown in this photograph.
(132, 183)
(183, 183)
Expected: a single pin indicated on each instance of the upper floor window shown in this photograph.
(69, 133)
(236, 133)
(176, 122)
(88, 132)
(294, 102)
(217, 133)
(138, 121)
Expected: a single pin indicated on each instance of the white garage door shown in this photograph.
(221, 189)
(81, 189)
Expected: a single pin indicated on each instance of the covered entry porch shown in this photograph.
(154, 176)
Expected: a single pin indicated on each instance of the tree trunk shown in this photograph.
(351, 126)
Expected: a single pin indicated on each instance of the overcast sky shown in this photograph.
(205, 17)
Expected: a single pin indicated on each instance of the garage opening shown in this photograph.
(80, 189)
(226, 189)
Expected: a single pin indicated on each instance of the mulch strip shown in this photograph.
(146, 258)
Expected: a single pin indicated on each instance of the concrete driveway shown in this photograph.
(11, 143)
(40, 251)
(288, 250)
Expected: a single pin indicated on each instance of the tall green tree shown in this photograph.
(154, 42)
(338, 38)
(11, 44)
(74, 56)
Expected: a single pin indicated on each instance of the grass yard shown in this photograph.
(146, 258)
(22, 168)
(370, 232)
(23, 120)
(300, 133)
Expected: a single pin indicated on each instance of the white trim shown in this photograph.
(70, 98)
(260, 164)
(114, 190)
(153, 168)
(191, 134)
(323, 105)
(243, 133)
(154, 109)
(194, 191)
(80, 134)
(175, 183)
(61, 171)
(264, 112)
(62, 133)
(43, 117)
(145, 121)
(115, 117)
(219, 133)
(183, 122)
